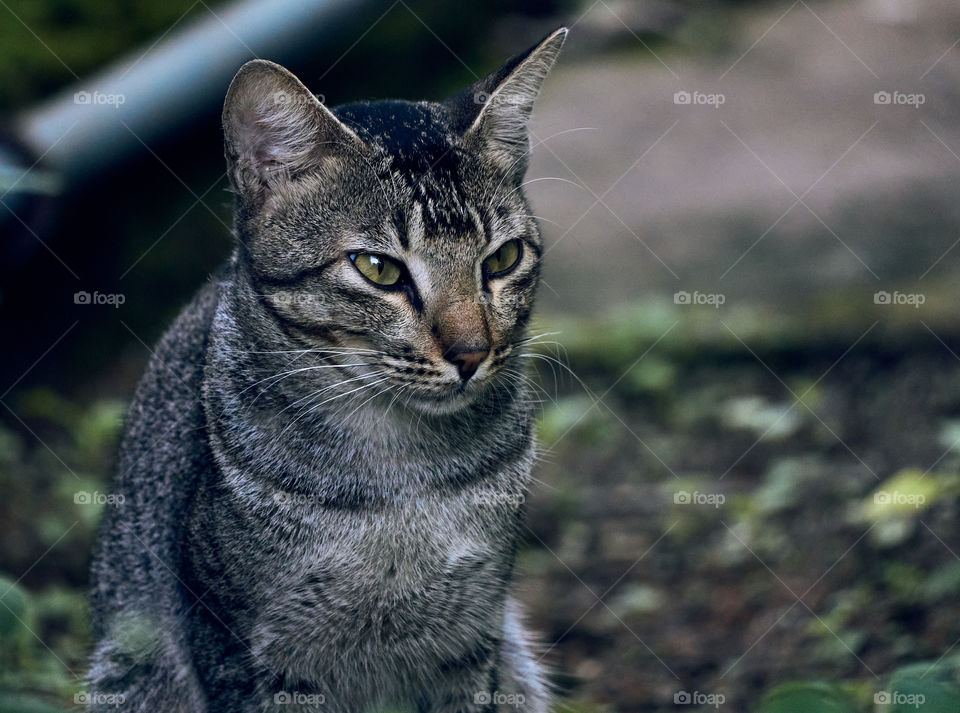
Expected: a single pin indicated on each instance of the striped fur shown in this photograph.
(320, 512)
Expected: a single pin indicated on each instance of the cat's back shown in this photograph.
(162, 456)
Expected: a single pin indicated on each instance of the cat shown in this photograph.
(324, 467)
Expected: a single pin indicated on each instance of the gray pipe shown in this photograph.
(153, 93)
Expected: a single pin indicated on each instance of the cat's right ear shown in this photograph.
(496, 109)
(275, 130)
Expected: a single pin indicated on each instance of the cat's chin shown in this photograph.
(445, 404)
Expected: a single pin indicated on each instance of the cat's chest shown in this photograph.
(421, 577)
(398, 552)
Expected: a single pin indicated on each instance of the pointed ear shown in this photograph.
(496, 110)
(275, 129)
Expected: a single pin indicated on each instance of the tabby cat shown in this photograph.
(324, 466)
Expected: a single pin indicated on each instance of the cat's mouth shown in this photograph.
(451, 399)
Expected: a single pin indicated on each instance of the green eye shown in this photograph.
(504, 259)
(379, 269)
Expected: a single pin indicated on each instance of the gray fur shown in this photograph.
(317, 505)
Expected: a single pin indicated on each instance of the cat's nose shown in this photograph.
(467, 358)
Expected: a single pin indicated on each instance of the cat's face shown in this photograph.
(393, 234)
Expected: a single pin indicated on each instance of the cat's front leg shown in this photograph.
(522, 686)
(464, 684)
(504, 677)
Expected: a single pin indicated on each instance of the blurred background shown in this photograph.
(747, 498)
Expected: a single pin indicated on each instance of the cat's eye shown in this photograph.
(379, 269)
(504, 259)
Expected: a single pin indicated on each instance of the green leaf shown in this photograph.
(812, 697)
(928, 686)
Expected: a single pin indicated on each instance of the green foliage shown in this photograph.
(931, 687)
(808, 698)
(46, 536)
(46, 45)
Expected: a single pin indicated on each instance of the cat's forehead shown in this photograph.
(415, 136)
(427, 174)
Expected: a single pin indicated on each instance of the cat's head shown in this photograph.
(393, 232)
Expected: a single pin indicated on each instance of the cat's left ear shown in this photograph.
(275, 130)
(496, 110)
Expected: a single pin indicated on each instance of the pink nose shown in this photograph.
(467, 358)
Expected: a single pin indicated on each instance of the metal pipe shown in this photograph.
(95, 125)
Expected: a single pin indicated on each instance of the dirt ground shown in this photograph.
(779, 566)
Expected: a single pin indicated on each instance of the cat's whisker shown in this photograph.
(316, 392)
(529, 152)
(553, 372)
(366, 401)
(312, 407)
(537, 180)
(400, 389)
(552, 360)
(561, 133)
(523, 378)
(536, 338)
(286, 374)
(539, 217)
(326, 348)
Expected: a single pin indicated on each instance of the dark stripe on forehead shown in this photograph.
(400, 224)
(480, 224)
